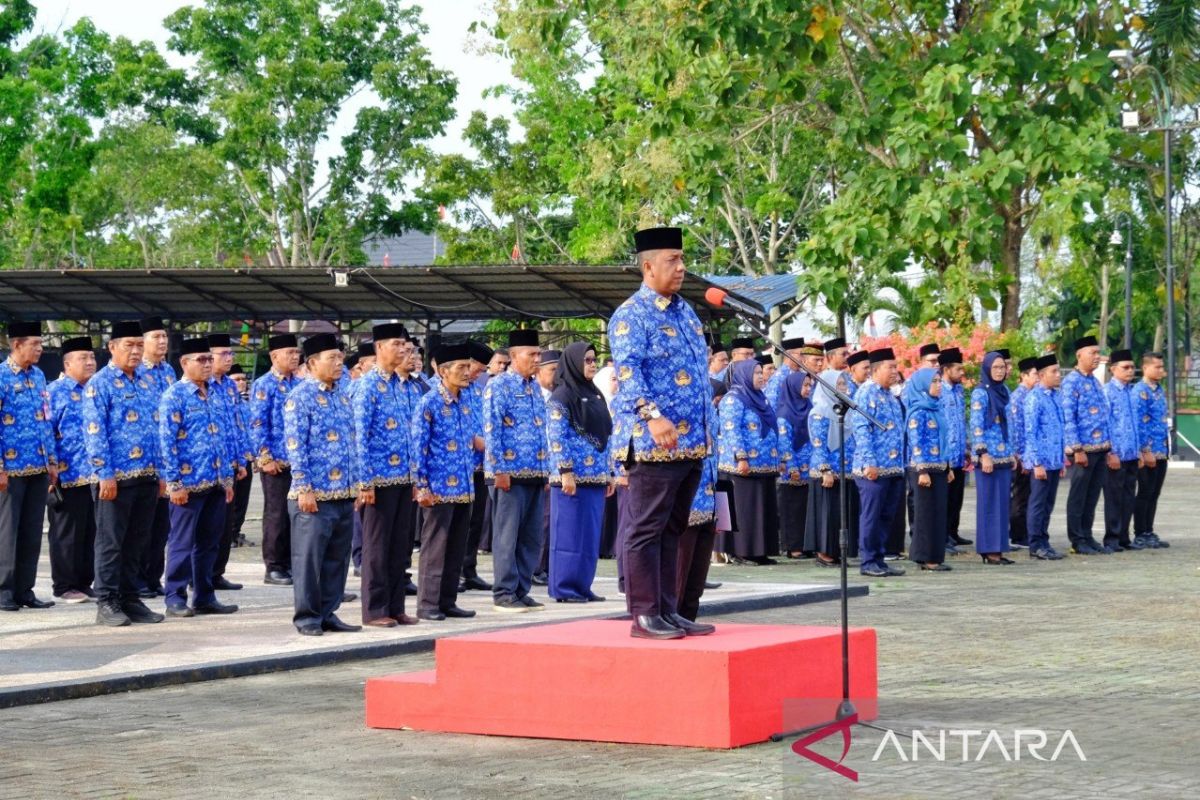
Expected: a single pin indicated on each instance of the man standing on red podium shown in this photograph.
(662, 409)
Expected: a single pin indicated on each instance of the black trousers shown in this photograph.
(485, 538)
(276, 522)
(1120, 493)
(659, 503)
(1018, 506)
(894, 544)
(122, 534)
(475, 527)
(929, 502)
(1084, 493)
(1149, 487)
(695, 554)
(443, 541)
(73, 541)
(954, 503)
(235, 515)
(387, 534)
(22, 508)
(543, 566)
(154, 558)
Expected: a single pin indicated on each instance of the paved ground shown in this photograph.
(1104, 646)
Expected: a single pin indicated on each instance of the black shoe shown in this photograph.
(540, 579)
(8, 604)
(216, 607)
(312, 629)
(1046, 554)
(33, 602)
(224, 585)
(147, 594)
(876, 572)
(433, 616)
(137, 612)
(349, 597)
(411, 589)
(337, 626)
(530, 603)
(894, 572)
(1156, 542)
(356, 572)
(960, 540)
(109, 612)
(475, 582)
(454, 612)
(570, 599)
(820, 562)
(712, 584)
(277, 578)
(938, 567)
(647, 627)
(1139, 543)
(180, 610)
(595, 598)
(1084, 549)
(688, 627)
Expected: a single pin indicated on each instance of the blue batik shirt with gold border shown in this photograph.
(574, 452)
(26, 435)
(235, 426)
(882, 449)
(1123, 421)
(160, 376)
(120, 415)
(318, 427)
(954, 410)
(1045, 429)
(514, 428)
(473, 397)
(267, 398)
(1155, 436)
(1085, 413)
(1016, 420)
(66, 415)
(742, 438)
(704, 504)
(443, 459)
(193, 438)
(987, 436)
(660, 357)
(925, 443)
(384, 407)
(795, 460)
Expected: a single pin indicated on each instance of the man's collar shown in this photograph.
(661, 302)
(449, 398)
(13, 365)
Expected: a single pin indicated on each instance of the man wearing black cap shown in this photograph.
(1155, 435)
(878, 463)
(160, 374)
(120, 414)
(1019, 499)
(836, 353)
(236, 427)
(741, 349)
(321, 452)
(72, 536)
(1089, 443)
(794, 348)
(954, 405)
(198, 456)
(267, 398)
(1044, 455)
(384, 407)
(366, 357)
(1120, 485)
(481, 356)
(444, 439)
(718, 360)
(858, 365)
(661, 430)
(514, 424)
(29, 466)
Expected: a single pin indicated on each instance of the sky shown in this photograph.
(452, 45)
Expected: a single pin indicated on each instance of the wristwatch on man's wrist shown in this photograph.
(649, 411)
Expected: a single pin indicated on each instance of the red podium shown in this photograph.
(591, 681)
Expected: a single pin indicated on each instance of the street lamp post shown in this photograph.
(1162, 103)
(1127, 339)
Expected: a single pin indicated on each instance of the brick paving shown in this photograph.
(1105, 645)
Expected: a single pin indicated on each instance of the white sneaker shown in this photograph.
(72, 597)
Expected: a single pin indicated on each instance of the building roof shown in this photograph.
(412, 249)
(764, 291)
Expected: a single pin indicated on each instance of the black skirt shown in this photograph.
(929, 523)
(793, 517)
(757, 523)
(824, 517)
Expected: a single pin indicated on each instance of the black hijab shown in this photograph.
(794, 407)
(586, 410)
(741, 386)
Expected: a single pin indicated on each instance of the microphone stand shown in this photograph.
(844, 404)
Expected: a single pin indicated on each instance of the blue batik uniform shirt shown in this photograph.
(267, 398)
(987, 435)
(473, 397)
(925, 443)
(1123, 422)
(319, 429)
(1016, 420)
(26, 435)
(660, 357)
(120, 415)
(236, 427)
(514, 428)
(574, 452)
(882, 449)
(160, 376)
(954, 409)
(193, 438)
(742, 438)
(1045, 442)
(66, 414)
(774, 386)
(442, 434)
(704, 504)
(1085, 413)
(384, 407)
(1152, 419)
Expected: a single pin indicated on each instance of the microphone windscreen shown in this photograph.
(715, 296)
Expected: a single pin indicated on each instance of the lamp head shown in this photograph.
(1116, 238)
(1122, 58)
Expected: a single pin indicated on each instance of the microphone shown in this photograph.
(719, 298)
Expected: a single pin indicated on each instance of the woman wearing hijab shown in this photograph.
(927, 469)
(748, 455)
(992, 446)
(824, 501)
(580, 474)
(794, 406)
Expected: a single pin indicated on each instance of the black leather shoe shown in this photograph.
(540, 579)
(876, 572)
(477, 583)
(224, 585)
(961, 540)
(147, 594)
(8, 604)
(312, 629)
(277, 578)
(712, 584)
(596, 598)
(454, 612)
(349, 597)
(216, 607)
(433, 616)
(646, 627)
(570, 599)
(411, 589)
(137, 612)
(33, 602)
(337, 626)
(688, 627)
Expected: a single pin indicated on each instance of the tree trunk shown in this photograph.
(1010, 259)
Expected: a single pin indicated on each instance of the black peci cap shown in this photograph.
(126, 330)
(389, 330)
(19, 329)
(951, 355)
(742, 343)
(765, 360)
(857, 358)
(152, 324)
(1048, 360)
(658, 239)
(80, 344)
(523, 337)
(366, 349)
(191, 347)
(1120, 355)
(1026, 364)
(236, 369)
(930, 349)
(882, 354)
(834, 344)
(1086, 341)
(1004, 353)
(795, 343)
(219, 340)
(449, 353)
(479, 351)
(319, 343)
(282, 342)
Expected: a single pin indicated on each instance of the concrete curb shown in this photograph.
(240, 668)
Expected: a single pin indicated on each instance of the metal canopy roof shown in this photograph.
(763, 291)
(440, 294)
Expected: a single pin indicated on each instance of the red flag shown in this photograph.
(387, 259)
(516, 252)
